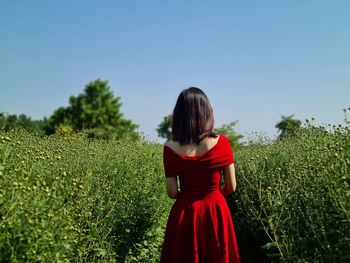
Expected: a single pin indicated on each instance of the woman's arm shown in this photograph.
(171, 187)
(230, 180)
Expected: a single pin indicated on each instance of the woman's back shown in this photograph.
(198, 166)
(199, 227)
(193, 149)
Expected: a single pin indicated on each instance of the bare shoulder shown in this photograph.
(170, 143)
(211, 141)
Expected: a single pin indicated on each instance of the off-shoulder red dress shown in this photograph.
(200, 227)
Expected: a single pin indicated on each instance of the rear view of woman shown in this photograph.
(199, 227)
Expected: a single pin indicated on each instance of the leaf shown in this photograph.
(270, 245)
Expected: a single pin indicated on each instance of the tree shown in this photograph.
(12, 121)
(164, 128)
(96, 110)
(288, 126)
(164, 131)
(59, 116)
(232, 136)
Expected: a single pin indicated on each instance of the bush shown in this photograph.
(293, 198)
(73, 199)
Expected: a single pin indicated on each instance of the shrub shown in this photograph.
(293, 197)
(73, 199)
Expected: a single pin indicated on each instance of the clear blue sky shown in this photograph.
(256, 60)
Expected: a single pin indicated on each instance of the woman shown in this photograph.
(200, 227)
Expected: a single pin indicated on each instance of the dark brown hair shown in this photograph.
(193, 118)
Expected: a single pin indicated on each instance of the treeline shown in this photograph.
(95, 111)
(12, 121)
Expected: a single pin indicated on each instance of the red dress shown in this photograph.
(199, 227)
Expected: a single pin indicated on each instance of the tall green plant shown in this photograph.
(293, 196)
(73, 199)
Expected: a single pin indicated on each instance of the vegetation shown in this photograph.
(95, 110)
(75, 199)
(12, 121)
(288, 126)
(164, 128)
(232, 136)
(293, 197)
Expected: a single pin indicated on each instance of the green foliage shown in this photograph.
(232, 136)
(64, 129)
(288, 126)
(95, 110)
(164, 128)
(12, 121)
(73, 199)
(293, 198)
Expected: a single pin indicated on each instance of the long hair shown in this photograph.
(193, 118)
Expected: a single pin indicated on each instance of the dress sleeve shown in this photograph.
(168, 163)
(229, 157)
(221, 155)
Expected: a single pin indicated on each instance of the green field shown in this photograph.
(73, 199)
